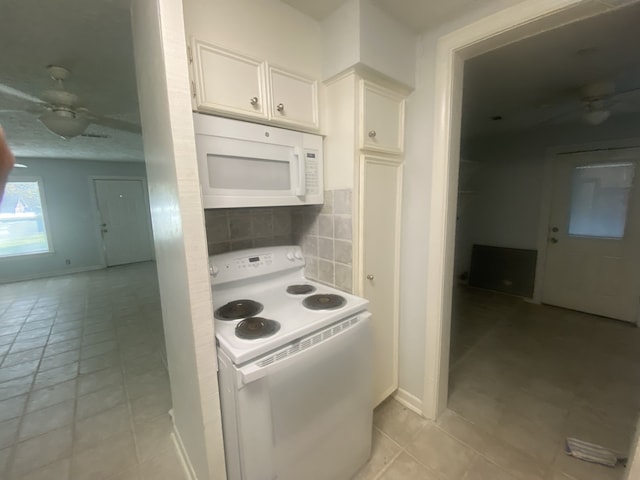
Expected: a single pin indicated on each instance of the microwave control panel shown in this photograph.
(312, 174)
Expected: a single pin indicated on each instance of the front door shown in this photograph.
(125, 221)
(592, 262)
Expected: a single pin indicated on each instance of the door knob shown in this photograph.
(372, 134)
(254, 101)
(280, 107)
(553, 240)
(370, 277)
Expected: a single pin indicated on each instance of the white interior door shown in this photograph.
(381, 185)
(593, 250)
(125, 221)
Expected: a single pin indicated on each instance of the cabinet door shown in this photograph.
(382, 122)
(381, 194)
(294, 99)
(227, 82)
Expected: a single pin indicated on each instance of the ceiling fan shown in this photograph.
(599, 100)
(60, 109)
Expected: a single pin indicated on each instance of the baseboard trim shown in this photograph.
(409, 400)
(182, 453)
(58, 273)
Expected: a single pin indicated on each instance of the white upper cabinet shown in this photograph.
(234, 84)
(382, 123)
(294, 98)
(227, 82)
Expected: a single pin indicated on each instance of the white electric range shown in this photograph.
(295, 369)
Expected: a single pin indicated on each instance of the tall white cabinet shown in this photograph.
(364, 145)
(380, 214)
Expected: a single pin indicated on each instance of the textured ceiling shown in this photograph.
(93, 40)
(314, 8)
(419, 15)
(537, 81)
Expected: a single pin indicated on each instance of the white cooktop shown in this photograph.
(263, 275)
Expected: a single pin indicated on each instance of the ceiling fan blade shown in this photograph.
(7, 90)
(116, 124)
(626, 95)
(626, 107)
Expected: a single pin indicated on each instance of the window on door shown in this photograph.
(23, 224)
(600, 199)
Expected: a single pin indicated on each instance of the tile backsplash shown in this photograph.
(324, 232)
(232, 229)
(325, 235)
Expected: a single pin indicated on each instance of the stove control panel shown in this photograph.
(232, 266)
(293, 255)
(254, 261)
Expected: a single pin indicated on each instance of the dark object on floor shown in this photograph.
(508, 270)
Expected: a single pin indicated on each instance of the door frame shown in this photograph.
(96, 211)
(504, 27)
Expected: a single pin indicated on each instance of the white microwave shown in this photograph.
(244, 164)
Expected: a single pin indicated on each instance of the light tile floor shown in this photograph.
(523, 378)
(84, 390)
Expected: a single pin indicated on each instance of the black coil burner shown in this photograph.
(256, 327)
(238, 309)
(324, 301)
(302, 289)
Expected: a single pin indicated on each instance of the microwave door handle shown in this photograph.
(301, 187)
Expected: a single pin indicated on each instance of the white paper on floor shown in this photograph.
(591, 452)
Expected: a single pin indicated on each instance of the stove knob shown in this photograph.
(298, 255)
(290, 256)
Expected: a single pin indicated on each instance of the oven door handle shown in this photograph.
(252, 372)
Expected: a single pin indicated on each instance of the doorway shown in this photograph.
(452, 50)
(124, 220)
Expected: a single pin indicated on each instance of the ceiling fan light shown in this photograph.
(65, 126)
(596, 117)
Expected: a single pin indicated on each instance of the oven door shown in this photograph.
(305, 412)
(246, 173)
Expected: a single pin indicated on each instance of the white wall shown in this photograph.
(341, 39)
(73, 222)
(359, 33)
(340, 145)
(179, 231)
(386, 45)
(505, 211)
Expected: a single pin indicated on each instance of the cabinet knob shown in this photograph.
(370, 277)
(280, 107)
(372, 134)
(254, 101)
